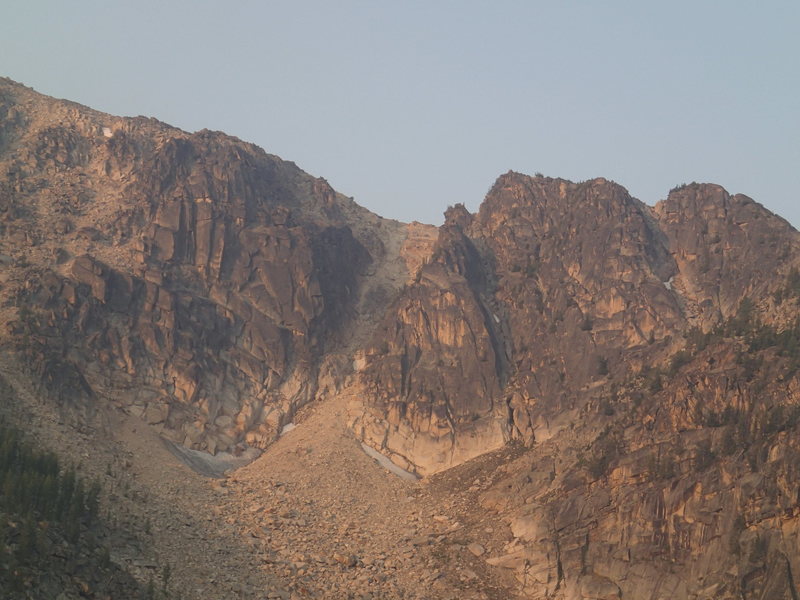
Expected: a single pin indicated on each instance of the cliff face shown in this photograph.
(644, 360)
(725, 247)
(192, 279)
(543, 293)
(435, 368)
(647, 358)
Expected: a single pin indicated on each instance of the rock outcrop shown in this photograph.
(537, 296)
(646, 356)
(192, 279)
(725, 247)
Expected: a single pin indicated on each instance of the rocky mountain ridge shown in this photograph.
(556, 286)
(642, 360)
(193, 278)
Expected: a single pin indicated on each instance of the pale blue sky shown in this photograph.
(412, 106)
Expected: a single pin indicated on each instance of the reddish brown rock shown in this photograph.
(643, 362)
(218, 277)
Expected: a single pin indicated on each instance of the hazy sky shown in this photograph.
(412, 106)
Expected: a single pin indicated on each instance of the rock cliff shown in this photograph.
(190, 278)
(545, 291)
(645, 356)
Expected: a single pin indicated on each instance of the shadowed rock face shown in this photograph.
(198, 281)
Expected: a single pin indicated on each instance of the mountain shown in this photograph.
(647, 357)
(194, 279)
(601, 396)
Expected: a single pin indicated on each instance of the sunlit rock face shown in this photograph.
(646, 357)
(532, 297)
